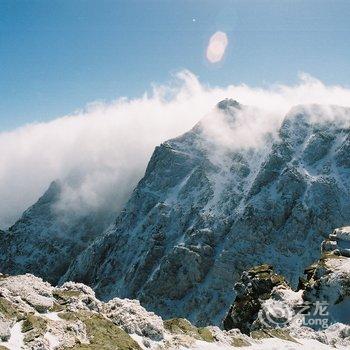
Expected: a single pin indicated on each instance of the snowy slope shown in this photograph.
(44, 242)
(203, 213)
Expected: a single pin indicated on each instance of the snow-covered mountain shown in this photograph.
(204, 212)
(44, 241)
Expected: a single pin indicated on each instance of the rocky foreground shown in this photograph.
(266, 314)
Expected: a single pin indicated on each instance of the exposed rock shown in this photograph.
(33, 327)
(255, 286)
(272, 333)
(228, 103)
(102, 333)
(182, 326)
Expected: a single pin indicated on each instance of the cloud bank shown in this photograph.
(102, 151)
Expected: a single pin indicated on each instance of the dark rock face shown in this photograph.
(228, 103)
(193, 224)
(43, 243)
(254, 287)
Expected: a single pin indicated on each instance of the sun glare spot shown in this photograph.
(217, 47)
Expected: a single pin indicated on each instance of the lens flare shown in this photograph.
(217, 47)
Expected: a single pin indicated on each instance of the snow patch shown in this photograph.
(16, 338)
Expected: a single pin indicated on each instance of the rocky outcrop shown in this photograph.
(328, 280)
(36, 315)
(254, 287)
(319, 309)
(204, 212)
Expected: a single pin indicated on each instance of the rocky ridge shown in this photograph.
(254, 287)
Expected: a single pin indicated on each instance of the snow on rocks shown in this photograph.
(47, 238)
(5, 328)
(338, 242)
(77, 319)
(204, 213)
(319, 311)
(31, 289)
(329, 278)
(133, 318)
(77, 296)
(15, 340)
(342, 233)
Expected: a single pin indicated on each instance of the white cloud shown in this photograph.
(105, 148)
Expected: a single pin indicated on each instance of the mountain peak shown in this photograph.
(228, 103)
(52, 194)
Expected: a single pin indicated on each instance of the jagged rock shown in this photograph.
(133, 318)
(228, 103)
(329, 278)
(330, 284)
(255, 286)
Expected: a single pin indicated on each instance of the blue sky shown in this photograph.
(56, 56)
